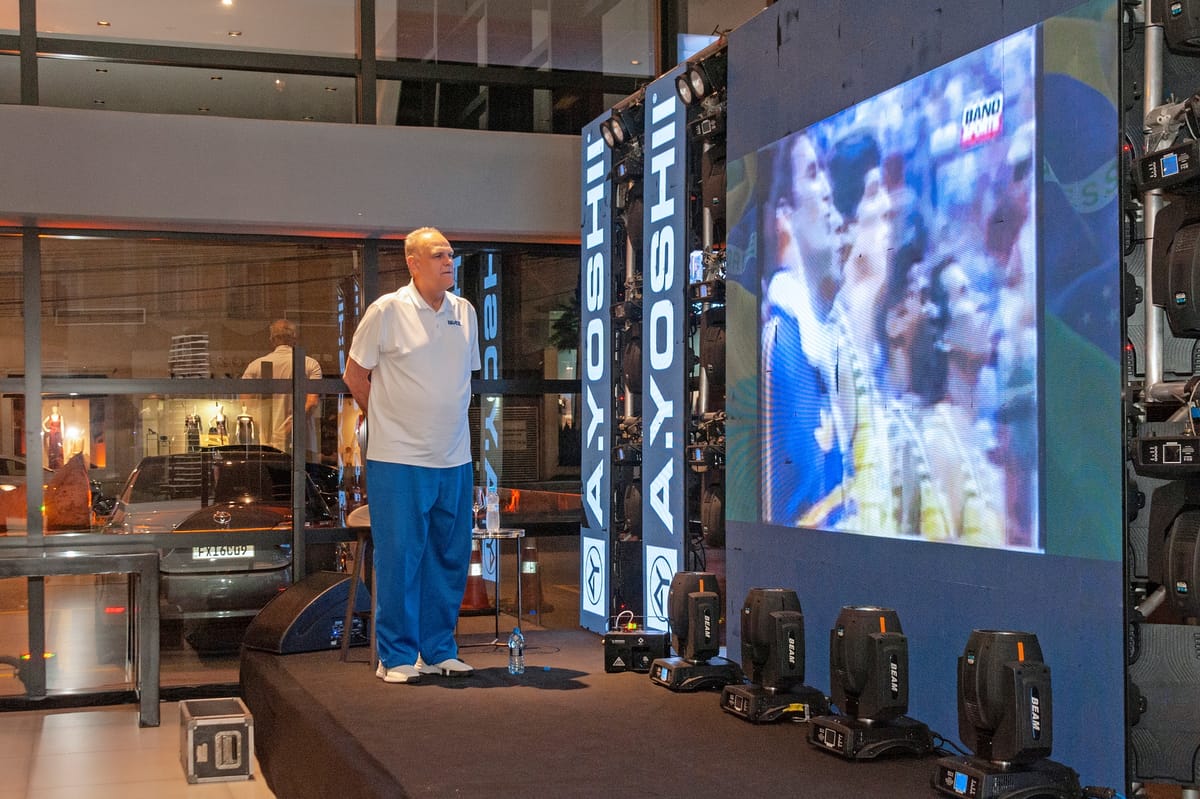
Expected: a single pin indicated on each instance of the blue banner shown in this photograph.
(664, 321)
(596, 331)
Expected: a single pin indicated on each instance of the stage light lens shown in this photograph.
(684, 89)
(699, 84)
(606, 133)
(620, 132)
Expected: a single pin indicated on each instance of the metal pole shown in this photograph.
(1152, 203)
(299, 457)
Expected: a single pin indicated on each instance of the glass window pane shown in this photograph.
(14, 634)
(538, 307)
(393, 270)
(147, 88)
(614, 38)
(165, 308)
(187, 472)
(298, 26)
(537, 457)
(10, 79)
(12, 323)
(563, 110)
(710, 17)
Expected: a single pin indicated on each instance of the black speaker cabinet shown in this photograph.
(308, 616)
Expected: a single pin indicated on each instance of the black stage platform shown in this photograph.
(323, 728)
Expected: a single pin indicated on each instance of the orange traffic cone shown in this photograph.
(475, 598)
(531, 580)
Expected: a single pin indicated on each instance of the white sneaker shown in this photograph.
(451, 667)
(398, 674)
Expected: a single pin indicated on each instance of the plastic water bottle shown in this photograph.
(516, 652)
(493, 512)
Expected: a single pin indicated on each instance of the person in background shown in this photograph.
(965, 503)
(410, 367)
(277, 365)
(803, 452)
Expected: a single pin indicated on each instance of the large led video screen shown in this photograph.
(899, 347)
(924, 261)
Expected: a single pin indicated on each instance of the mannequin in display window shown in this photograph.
(52, 429)
(218, 427)
(246, 433)
(191, 424)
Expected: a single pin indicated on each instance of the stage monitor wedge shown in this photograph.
(308, 616)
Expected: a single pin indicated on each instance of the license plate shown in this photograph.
(223, 552)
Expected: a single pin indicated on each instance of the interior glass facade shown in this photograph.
(147, 432)
(130, 404)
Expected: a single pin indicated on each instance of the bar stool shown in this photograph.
(359, 520)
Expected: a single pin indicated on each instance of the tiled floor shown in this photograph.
(100, 753)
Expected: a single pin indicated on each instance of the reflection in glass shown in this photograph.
(12, 287)
(10, 79)
(149, 88)
(160, 308)
(614, 38)
(319, 27)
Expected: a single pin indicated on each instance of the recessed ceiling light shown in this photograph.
(101, 69)
(98, 102)
(103, 23)
(308, 119)
(202, 108)
(235, 33)
(331, 88)
(226, 2)
(635, 62)
(215, 77)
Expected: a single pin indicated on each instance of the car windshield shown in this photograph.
(211, 480)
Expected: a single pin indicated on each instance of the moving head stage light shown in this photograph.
(1176, 264)
(1005, 718)
(1164, 692)
(694, 612)
(1171, 162)
(1181, 24)
(703, 78)
(773, 661)
(624, 125)
(868, 681)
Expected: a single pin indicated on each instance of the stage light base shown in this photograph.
(854, 739)
(981, 779)
(679, 674)
(762, 706)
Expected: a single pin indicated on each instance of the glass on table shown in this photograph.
(478, 506)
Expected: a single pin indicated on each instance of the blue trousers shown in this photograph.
(421, 529)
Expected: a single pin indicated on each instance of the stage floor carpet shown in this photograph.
(324, 728)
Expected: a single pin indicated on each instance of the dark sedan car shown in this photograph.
(213, 589)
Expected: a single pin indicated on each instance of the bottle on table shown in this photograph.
(516, 652)
(493, 512)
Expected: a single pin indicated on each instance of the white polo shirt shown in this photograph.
(420, 362)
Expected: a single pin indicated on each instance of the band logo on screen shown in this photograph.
(981, 120)
(900, 338)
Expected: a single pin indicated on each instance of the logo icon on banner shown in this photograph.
(490, 551)
(594, 576)
(660, 572)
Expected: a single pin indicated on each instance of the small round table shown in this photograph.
(498, 535)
